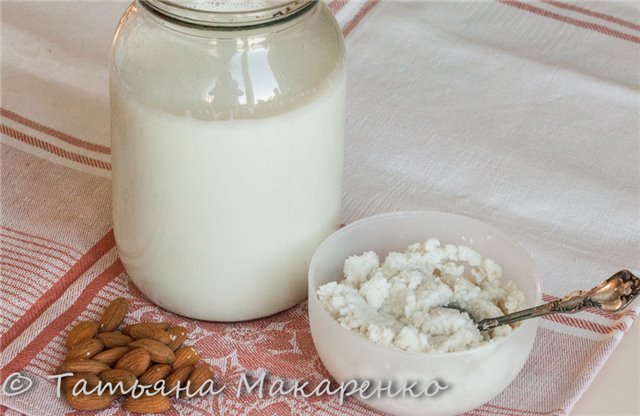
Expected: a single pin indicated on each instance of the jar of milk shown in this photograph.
(227, 122)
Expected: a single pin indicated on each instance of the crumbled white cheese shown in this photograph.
(401, 301)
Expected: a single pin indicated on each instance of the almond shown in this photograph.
(114, 339)
(139, 331)
(137, 361)
(82, 331)
(82, 366)
(185, 357)
(68, 383)
(159, 352)
(178, 335)
(92, 401)
(147, 404)
(199, 376)
(154, 374)
(113, 315)
(126, 378)
(177, 379)
(111, 356)
(83, 350)
(161, 325)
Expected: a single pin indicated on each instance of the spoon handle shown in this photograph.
(612, 295)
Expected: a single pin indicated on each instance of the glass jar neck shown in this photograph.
(226, 14)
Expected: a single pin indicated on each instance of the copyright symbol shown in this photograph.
(16, 384)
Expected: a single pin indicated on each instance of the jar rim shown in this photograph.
(227, 13)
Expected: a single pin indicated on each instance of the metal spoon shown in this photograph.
(612, 295)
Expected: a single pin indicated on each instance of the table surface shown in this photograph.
(614, 392)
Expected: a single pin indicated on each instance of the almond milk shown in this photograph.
(227, 160)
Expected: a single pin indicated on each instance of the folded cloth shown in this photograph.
(523, 115)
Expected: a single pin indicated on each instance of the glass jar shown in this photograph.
(227, 127)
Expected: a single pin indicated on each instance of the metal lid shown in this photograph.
(227, 13)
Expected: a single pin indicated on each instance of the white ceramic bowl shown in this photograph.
(474, 376)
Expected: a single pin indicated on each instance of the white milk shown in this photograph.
(218, 220)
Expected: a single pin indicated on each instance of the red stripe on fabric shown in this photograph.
(358, 17)
(336, 5)
(42, 366)
(41, 253)
(592, 326)
(474, 412)
(611, 315)
(621, 326)
(498, 411)
(104, 300)
(55, 133)
(592, 13)
(22, 259)
(333, 408)
(20, 278)
(10, 314)
(575, 22)
(4, 324)
(105, 244)
(50, 357)
(7, 316)
(510, 409)
(59, 348)
(586, 325)
(56, 326)
(16, 298)
(31, 282)
(58, 151)
(57, 244)
(7, 311)
(116, 291)
(12, 304)
(574, 323)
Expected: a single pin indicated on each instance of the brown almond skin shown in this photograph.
(159, 352)
(113, 315)
(199, 376)
(185, 357)
(82, 331)
(82, 366)
(116, 376)
(140, 331)
(154, 374)
(147, 404)
(68, 383)
(83, 350)
(137, 361)
(111, 356)
(114, 339)
(178, 335)
(162, 325)
(181, 375)
(89, 401)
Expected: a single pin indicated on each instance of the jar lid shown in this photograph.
(227, 13)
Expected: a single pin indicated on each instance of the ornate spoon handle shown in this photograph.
(612, 295)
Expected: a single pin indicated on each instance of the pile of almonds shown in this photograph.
(146, 352)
